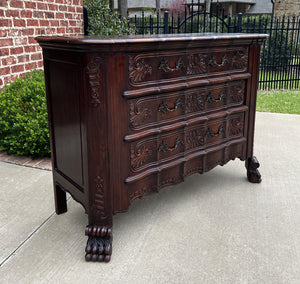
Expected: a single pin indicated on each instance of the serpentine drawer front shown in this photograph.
(131, 115)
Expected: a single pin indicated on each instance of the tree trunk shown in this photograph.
(122, 7)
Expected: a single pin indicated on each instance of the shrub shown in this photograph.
(23, 117)
(103, 21)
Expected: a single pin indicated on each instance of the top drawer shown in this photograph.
(165, 67)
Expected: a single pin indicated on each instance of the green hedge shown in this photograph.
(23, 117)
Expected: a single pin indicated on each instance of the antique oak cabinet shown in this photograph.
(130, 115)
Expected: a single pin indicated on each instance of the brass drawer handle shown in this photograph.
(213, 61)
(164, 66)
(164, 147)
(210, 133)
(164, 108)
(211, 99)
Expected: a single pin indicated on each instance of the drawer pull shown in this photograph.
(213, 61)
(211, 99)
(164, 147)
(210, 133)
(164, 108)
(164, 66)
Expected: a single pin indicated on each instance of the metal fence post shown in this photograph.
(239, 23)
(85, 21)
(166, 22)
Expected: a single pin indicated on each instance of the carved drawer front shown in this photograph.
(160, 148)
(166, 66)
(158, 109)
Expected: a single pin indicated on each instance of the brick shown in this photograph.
(3, 3)
(73, 23)
(6, 42)
(30, 48)
(17, 68)
(50, 31)
(14, 32)
(63, 23)
(62, 8)
(16, 50)
(5, 23)
(21, 41)
(31, 40)
(4, 70)
(71, 9)
(59, 15)
(4, 51)
(59, 1)
(3, 33)
(1, 12)
(49, 15)
(19, 23)
(68, 16)
(32, 23)
(44, 23)
(54, 23)
(61, 30)
(40, 64)
(8, 60)
(12, 13)
(31, 65)
(36, 56)
(30, 5)
(42, 6)
(23, 58)
(16, 4)
(38, 14)
(28, 31)
(79, 9)
(52, 7)
(26, 14)
(39, 31)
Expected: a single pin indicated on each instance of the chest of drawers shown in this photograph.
(131, 115)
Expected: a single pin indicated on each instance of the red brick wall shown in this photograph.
(21, 21)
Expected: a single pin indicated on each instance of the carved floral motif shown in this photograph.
(194, 138)
(237, 92)
(138, 69)
(94, 73)
(194, 102)
(236, 126)
(240, 59)
(196, 64)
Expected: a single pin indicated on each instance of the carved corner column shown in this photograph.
(99, 229)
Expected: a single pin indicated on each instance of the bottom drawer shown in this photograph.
(178, 170)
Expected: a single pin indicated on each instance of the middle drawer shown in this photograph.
(159, 109)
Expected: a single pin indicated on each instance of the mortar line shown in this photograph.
(29, 237)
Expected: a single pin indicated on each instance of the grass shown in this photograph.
(287, 101)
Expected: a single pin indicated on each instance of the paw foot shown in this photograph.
(252, 171)
(99, 244)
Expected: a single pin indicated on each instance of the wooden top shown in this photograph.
(148, 38)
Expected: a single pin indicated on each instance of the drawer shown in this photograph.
(164, 67)
(159, 109)
(163, 147)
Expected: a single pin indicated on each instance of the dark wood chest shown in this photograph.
(131, 115)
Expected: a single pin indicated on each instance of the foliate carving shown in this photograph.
(98, 205)
(196, 64)
(170, 181)
(94, 73)
(237, 92)
(138, 114)
(138, 69)
(141, 192)
(194, 102)
(240, 59)
(139, 155)
(236, 126)
(194, 138)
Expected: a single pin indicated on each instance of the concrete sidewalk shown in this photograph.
(237, 232)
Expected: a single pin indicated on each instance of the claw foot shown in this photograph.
(99, 244)
(252, 172)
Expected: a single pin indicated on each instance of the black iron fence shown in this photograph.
(280, 53)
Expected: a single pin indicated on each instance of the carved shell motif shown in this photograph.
(138, 114)
(139, 156)
(138, 69)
